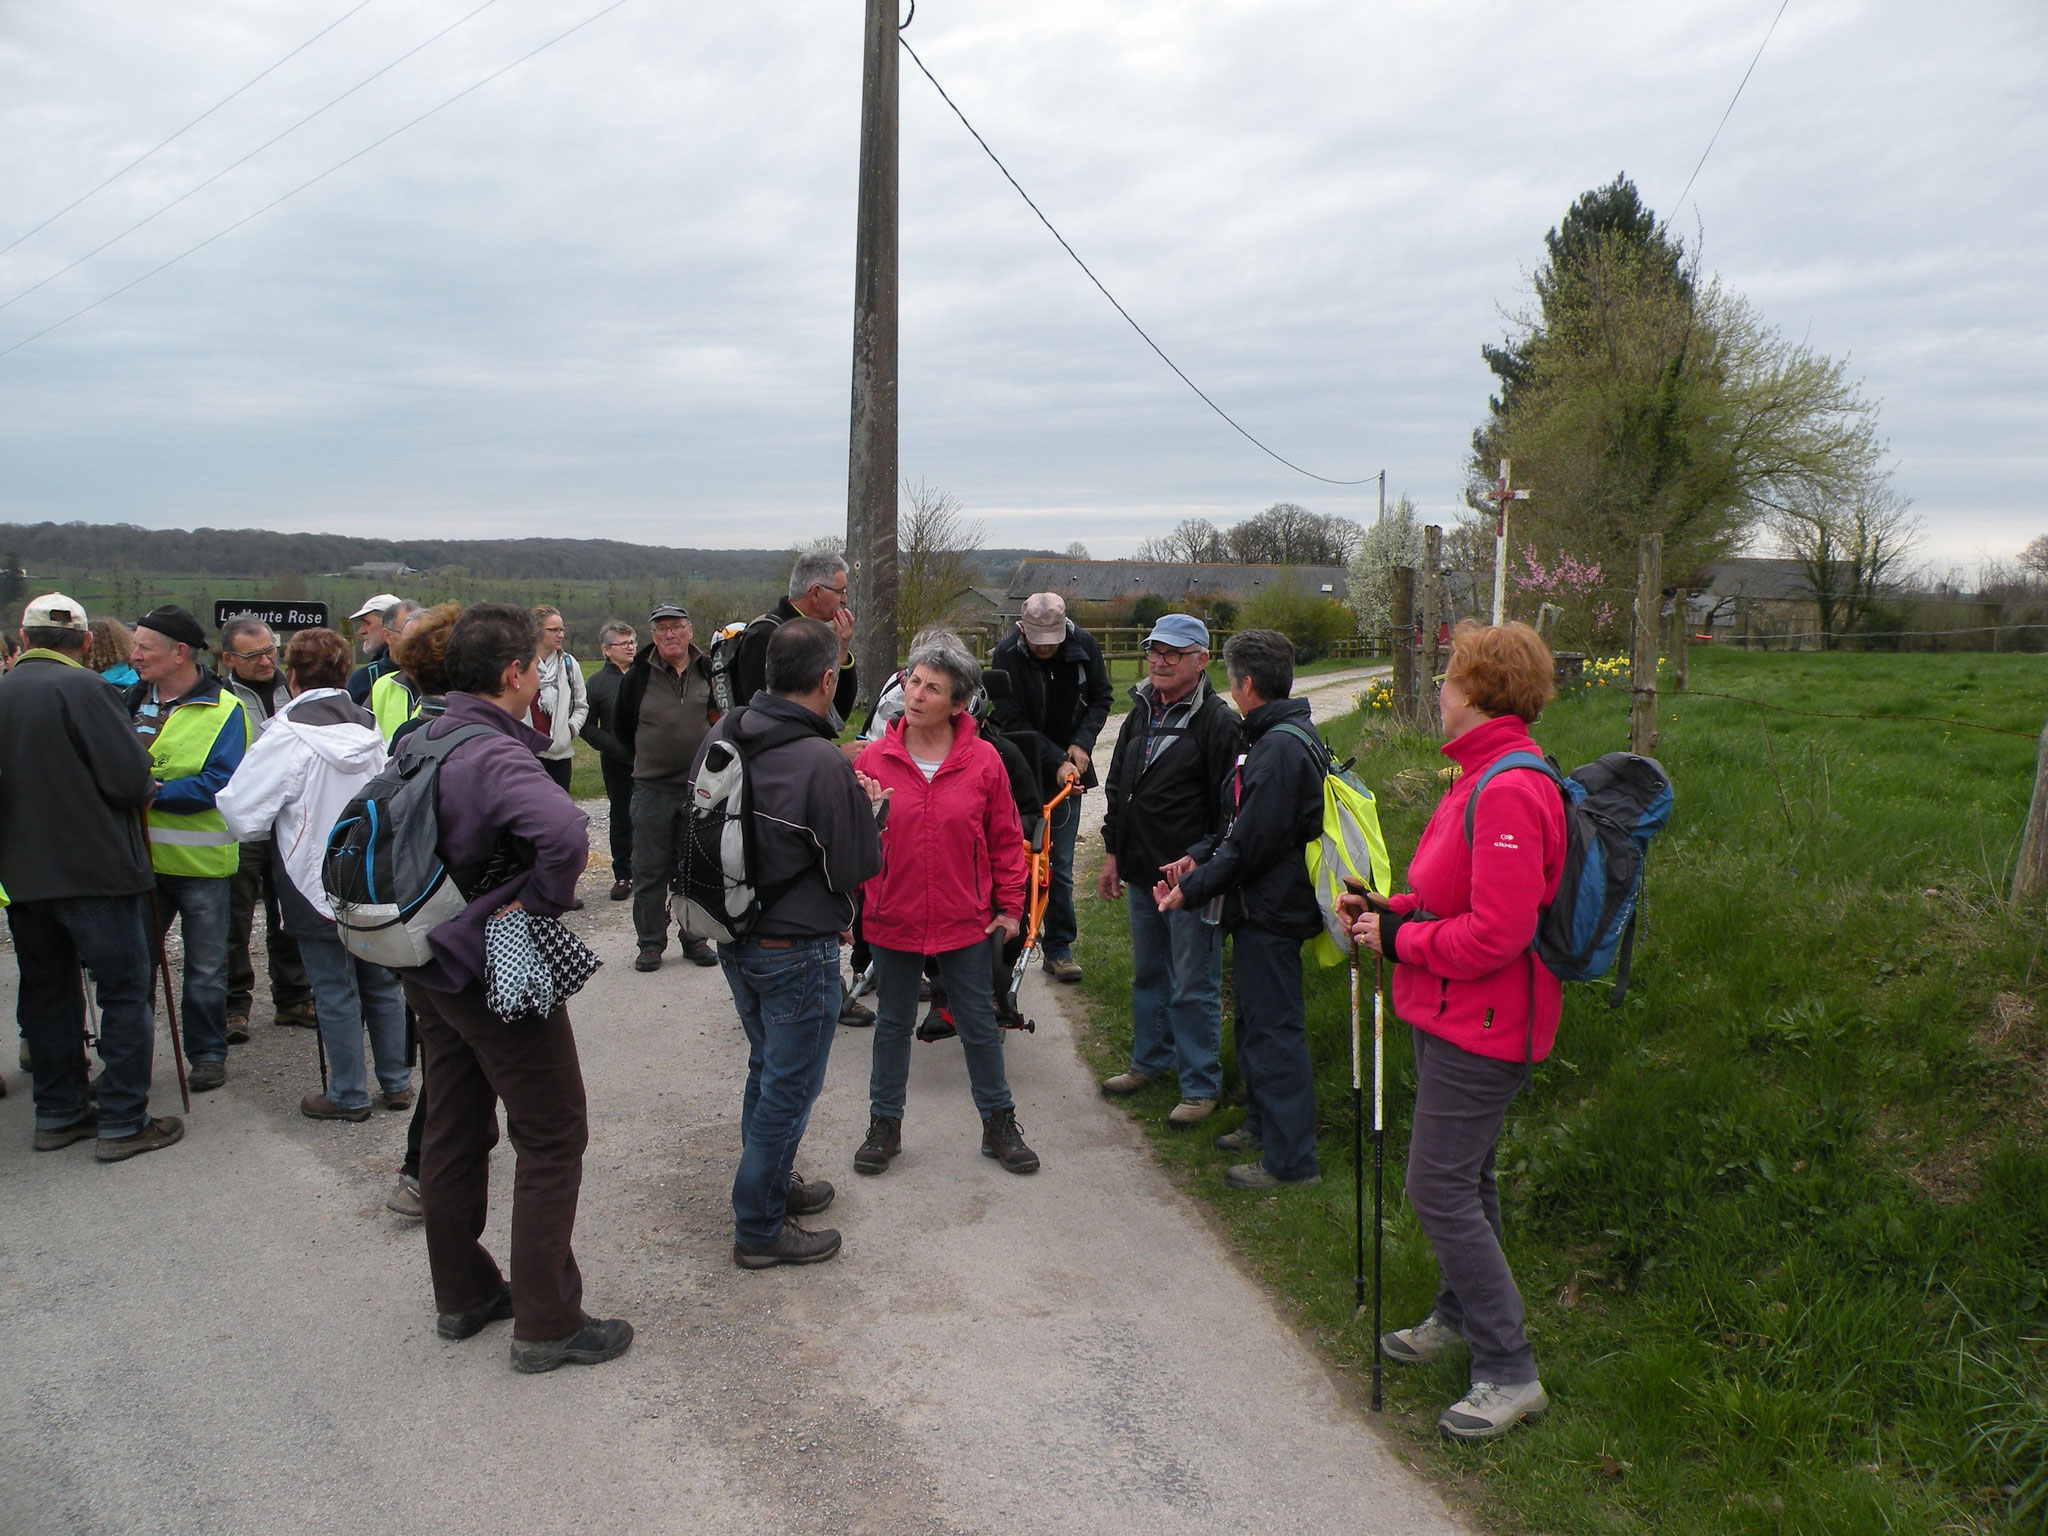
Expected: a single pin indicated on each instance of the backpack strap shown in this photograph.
(1512, 760)
(419, 747)
(1320, 747)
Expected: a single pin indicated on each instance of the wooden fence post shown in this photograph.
(1404, 644)
(1642, 709)
(1684, 639)
(1432, 620)
(2030, 879)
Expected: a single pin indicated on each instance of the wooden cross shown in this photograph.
(1500, 496)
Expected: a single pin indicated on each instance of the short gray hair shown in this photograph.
(813, 568)
(241, 624)
(399, 612)
(942, 651)
(1266, 657)
(617, 629)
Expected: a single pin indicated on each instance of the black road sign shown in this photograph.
(281, 617)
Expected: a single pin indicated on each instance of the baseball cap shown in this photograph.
(1179, 630)
(174, 623)
(1044, 619)
(378, 604)
(53, 610)
(669, 611)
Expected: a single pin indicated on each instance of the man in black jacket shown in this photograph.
(817, 590)
(73, 862)
(663, 712)
(614, 758)
(1059, 697)
(1177, 744)
(1273, 808)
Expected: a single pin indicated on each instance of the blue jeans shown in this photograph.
(348, 994)
(1057, 940)
(1176, 996)
(788, 1003)
(970, 993)
(1272, 1050)
(202, 905)
(109, 935)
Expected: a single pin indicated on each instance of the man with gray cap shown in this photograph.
(660, 718)
(73, 862)
(1172, 756)
(1059, 698)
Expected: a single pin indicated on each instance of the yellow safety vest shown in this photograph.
(393, 700)
(195, 843)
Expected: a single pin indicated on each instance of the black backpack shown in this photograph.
(724, 658)
(383, 872)
(1613, 806)
(716, 878)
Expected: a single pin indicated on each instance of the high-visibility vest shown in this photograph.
(393, 700)
(195, 843)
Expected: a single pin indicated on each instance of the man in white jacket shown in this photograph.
(318, 752)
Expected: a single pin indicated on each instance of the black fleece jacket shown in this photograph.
(1053, 704)
(1273, 809)
(1156, 814)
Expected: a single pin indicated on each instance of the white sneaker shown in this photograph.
(1489, 1411)
(1425, 1341)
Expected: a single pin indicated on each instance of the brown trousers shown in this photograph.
(471, 1061)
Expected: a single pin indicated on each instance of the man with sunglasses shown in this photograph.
(1176, 746)
(248, 656)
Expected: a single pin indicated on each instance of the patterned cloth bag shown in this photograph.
(531, 964)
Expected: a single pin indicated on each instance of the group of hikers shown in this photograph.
(197, 797)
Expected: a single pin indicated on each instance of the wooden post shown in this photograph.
(1684, 639)
(2030, 879)
(871, 469)
(1432, 619)
(1404, 644)
(1642, 709)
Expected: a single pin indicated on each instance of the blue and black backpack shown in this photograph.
(1613, 806)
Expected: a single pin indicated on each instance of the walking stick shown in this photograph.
(1357, 888)
(1379, 1160)
(163, 969)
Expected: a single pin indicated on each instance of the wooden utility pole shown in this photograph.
(1642, 708)
(1404, 644)
(871, 461)
(2030, 880)
(1500, 496)
(1432, 619)
(1678, 654)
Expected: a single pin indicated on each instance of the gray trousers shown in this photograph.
(1460, 1101)
(658, 817)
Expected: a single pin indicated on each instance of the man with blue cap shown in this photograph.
(1174, 751)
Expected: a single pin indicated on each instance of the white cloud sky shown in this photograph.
(610, 292)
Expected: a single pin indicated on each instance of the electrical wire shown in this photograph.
(310, 181)
(202, 117)
(1695, 176)
(1191, 384)
(216, 176)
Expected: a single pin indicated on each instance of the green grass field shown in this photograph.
(1781, 1221)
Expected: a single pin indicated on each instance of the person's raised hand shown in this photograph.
(1179, 867)
(842, 626)
(1109, 885)
(1168, 898)
(872, 788)
(1004, 924)
(1068, 774)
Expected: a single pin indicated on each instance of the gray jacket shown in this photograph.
(813, 823)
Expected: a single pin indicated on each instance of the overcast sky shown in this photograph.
(609, 293)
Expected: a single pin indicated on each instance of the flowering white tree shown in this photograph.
(1395, 540)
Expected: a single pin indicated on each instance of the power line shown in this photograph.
(302, 186)
(1191, 384)
(1695, 176)
(202, 117)
(216, 176)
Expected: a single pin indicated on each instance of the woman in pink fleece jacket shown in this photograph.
(1483, 1007)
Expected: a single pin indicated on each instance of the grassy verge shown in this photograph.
(1781, 1221)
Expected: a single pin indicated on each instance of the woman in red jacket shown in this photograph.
(952, 876)
(1483, 1007)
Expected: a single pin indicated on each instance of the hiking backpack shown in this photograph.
(1351, 844)
(1613, 806)
(715, 880)
(382, 870)
(725, 652)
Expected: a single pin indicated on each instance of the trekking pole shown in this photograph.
(1379, 1151)
(1358, 888)
(163, 969)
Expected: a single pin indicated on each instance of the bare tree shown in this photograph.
(1289, 534)
(934, 563)
(1078, 551)
(1849, 552)
(2034, 558)
(1194, 541)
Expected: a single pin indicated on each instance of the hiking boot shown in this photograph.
(1425, 1341)
(1190, 1112)
(207, 1075)
(456, 1326)
(792, 1245)
(597, 1341)
(806, 1198)
(404, 1199)
(398, 1098)
(700, 951)
(647, 960)
(1489, 1411)
(1003, 1140)
(1259, 1176)
(238, 1029)
(621, 889)
(1062, 969)
(317, 1106)
(885, 1140)
(1125, 1082)
(64, 1135)
(1243, 1139)
(298, 1016)
(160, 1132)
(855, 1015)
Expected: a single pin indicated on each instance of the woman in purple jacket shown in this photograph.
(496, 804)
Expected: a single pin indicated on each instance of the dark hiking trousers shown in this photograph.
(618, 792)
(1272, 1050)
(1460, 1102)
(471, 1060)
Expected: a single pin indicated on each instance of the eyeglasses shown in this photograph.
(1168, 653)
(268, 650)
(1439, 678)
(612, 645)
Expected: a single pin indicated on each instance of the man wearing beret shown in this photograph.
(196, 732)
